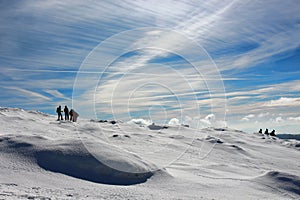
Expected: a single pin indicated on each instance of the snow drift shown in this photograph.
(281, 180)
(70, 156)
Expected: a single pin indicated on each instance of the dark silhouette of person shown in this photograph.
(267, 131)
(272, 133)
(260, 131)
(75, 116)
(66, 110)
(59, 115)
(71, 115)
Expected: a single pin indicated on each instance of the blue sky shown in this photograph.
(210, 63)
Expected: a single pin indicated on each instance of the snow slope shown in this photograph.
(42, 158)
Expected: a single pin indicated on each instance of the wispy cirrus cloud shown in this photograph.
(34, 96)
(56, 93)
(284, 101)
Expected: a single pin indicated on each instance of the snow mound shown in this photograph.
(281, 181)
(71, 158)
(212, 139)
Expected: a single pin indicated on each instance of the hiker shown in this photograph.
(272, 133)
(66, 110)
(59, 115)
(260, 131)
(73, 115)
(266, 132)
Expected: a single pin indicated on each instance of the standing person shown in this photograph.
(71, 115)
(75, 115)
(59, 115)
(66, 110)
(266, 132)
(272, 133)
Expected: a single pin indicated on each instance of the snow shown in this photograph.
(42, 158)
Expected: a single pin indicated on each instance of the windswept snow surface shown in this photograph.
(42, 158)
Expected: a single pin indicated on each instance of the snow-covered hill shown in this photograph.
(41, 158)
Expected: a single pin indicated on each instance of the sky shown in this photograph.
(203, 63)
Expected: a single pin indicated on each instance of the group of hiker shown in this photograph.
(272, 133)
(69, 115)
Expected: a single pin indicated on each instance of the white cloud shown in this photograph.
(271, 35)
(210, 117)
(208, 120)
(267, 90)
(142, 122)
(279, 119)
(35, 96)
(56, 93)
(204, 123)
(211, 121)
(174, 122)
(250, 116)
(294, 118)
(245, 119)
(260, 115)
(284, 101)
